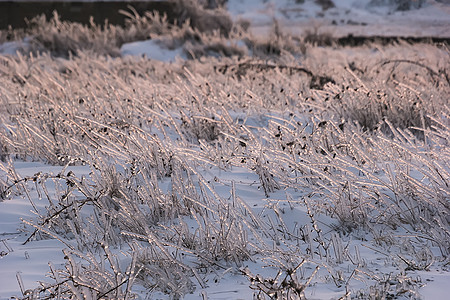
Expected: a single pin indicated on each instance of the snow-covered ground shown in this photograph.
(357, 17)
(24, 263)
(348, 17)
(151, 49)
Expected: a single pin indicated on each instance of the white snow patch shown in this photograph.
(151, 49)
(436, 284)
(11, 48)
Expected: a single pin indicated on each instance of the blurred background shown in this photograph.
(16, 13)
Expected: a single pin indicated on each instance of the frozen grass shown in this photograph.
(195, 24)
(345, 152)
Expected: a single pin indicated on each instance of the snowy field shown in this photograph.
(257, 165)
(364, 17)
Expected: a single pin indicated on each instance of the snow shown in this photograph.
(11, 48)
(152, 50)
(356, 17)
(437, 284)
(30, 259)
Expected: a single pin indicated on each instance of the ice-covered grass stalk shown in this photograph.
(351, 157)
